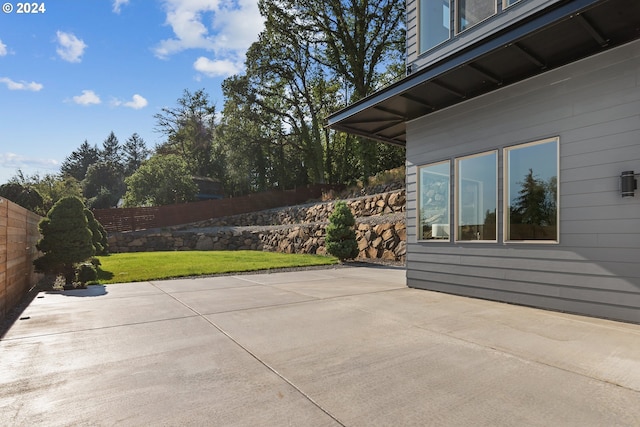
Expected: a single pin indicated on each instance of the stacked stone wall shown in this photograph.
(380, 230)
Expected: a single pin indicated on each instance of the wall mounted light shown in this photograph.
(628, 183)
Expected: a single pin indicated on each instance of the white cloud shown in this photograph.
(70, 48)
(117, 5)
(88, 97)
(21, 85)
(3, 49)
(224, 27)
(137, 102)
(238, 24)
(217, 68)
(12, 160)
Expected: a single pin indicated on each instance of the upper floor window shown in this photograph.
(437, 17)
(471, 12)
(435, 21)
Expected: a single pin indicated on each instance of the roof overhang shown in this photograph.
(559, 35)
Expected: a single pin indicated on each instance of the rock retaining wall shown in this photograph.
(380, 230)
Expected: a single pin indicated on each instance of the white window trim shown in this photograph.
(456, 202)
(505, 194)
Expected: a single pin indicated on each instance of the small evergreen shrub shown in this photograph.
(86, 273)
(340, 240)
(66, 239)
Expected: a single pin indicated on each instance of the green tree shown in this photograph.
(77, 163)
(362, 42)
(289, 84)
(340, 239)
(135, 152)
(99, 235)
(52, 187)
(161, 180)
(190, 129)
(111, 152)
(103, 185)
(25, 196)
(66, 239)
(258, 153)
(535, 205)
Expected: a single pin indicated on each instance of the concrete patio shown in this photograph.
(345, 346)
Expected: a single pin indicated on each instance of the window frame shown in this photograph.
(457, 16)
(505, 4)
(457, 188)
(419, 236)
(506, 188)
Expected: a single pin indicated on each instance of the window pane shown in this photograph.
(508, 3)
(477, 197)
(470, 12)
(532, 191)
(433, 205)
(434, 23)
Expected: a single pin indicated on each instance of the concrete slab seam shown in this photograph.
(262, 362)
(97, 329)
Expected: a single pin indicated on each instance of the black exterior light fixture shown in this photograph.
(628, 183)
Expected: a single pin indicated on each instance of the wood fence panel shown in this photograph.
(131, 219)
(18, 236)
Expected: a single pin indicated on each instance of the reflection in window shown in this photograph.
(471, 12)
(433, 203)
(434, 23)
(477, 200)
(531, 191)
(507, 3)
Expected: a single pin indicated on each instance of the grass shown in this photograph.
(143, 266)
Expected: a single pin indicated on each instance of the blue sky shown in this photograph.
(81, 69)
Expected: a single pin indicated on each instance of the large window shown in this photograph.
(433, 209)
(531, 191)
(471, 12)
(435, 18)
(477, 197)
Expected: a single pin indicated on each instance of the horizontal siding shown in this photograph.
(412, 30)
(593, 106)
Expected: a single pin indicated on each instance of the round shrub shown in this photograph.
(340, 240)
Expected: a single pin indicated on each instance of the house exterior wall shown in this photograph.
(473, 35)
(593, 107)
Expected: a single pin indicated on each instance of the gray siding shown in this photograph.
(412, 31)
(593, 106)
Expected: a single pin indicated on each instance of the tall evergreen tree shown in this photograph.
(111, 151)
(135, 152)
(77, 163)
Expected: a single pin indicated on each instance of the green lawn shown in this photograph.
(142, 266)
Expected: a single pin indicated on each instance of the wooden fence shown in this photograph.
(131, 219)
(18, 236)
